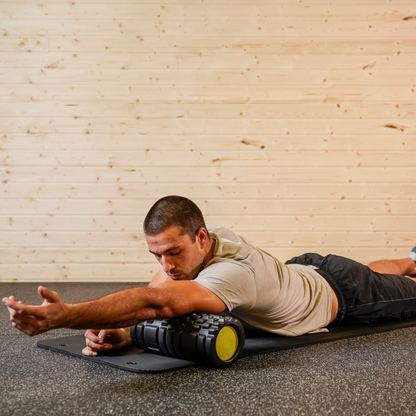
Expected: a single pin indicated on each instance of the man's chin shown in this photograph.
(178, 276)
(182, 276)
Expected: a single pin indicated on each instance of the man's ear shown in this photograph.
(202, 236)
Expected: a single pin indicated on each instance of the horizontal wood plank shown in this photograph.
(208, 77)
(301, 45)
(208, 95)
(158, 28)
(245, 61)
(190, 158)
(212, 94)
(77, 273)
(227, 191)
(205, 126)
(66, 142)
(69, 255)
(217, 12)
(216, 175)
(211, 111)
(239, 223)
(225, 2)
(290, 207)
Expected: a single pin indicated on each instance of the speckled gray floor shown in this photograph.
(372, 375)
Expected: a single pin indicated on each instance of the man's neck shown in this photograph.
(209, 256)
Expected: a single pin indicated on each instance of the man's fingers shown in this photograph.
(30, 326)
(102, 334)
(25, 310)
(18, 307)
(95, 340)
(9, 301)
(89, 352)
(33, 320)
(92, 335)
(25, 318)
(13, 306)
(48, 295)
(19, 317)
(98, 347)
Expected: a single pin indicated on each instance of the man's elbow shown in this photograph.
(166, 312)
(180, 298)
(166, 305)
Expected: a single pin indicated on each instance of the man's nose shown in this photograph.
(167, 265)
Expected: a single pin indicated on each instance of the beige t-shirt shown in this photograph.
(288, 300)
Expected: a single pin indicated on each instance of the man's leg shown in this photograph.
(367, 296)
(401, 267)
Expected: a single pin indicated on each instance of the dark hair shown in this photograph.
(172, 211)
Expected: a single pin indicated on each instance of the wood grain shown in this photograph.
(291, 123)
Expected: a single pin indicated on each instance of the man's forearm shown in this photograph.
(117, 310)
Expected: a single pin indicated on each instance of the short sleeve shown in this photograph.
(231, 282)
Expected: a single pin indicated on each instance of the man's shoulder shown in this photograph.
(226, 268)
(223, 232)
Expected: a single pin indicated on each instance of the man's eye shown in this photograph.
(175, 253)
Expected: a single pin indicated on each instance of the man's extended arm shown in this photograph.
(117, 310)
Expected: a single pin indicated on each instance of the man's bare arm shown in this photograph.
(159, 278)
(117, 310)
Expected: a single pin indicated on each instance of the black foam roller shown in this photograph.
(191, 337)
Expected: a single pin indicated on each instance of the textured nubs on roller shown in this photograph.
(209, 339)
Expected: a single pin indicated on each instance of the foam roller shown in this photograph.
(215, 340)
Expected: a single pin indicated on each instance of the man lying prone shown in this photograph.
(211, 269)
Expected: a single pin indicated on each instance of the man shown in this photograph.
(214, 270)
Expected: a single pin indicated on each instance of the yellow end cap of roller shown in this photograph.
(227, 343)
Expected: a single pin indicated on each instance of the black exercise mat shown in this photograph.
(130, 358)
(138, 361)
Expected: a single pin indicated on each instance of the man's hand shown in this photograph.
(106, 340)
(33, 320)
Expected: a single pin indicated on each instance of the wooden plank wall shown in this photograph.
(292, 122)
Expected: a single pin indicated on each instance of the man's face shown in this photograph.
(180, 258)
